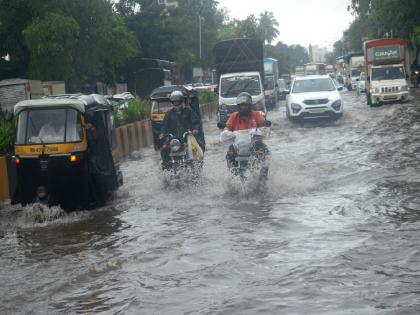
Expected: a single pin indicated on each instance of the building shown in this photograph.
(318, 53)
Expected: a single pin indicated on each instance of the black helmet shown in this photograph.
(244, 98)
(177, 98)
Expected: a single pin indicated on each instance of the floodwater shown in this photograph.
(336, 232)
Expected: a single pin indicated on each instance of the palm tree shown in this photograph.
(269, 26)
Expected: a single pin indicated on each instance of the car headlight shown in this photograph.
(175, 145)
(296, 108)
(337, 105)
(404, 88)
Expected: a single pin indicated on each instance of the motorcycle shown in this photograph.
(185, 155)
(248, 156)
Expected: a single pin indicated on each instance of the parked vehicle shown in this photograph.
(282, 89)
(361, 86)
(271, 76)
(386, 65)
(240, 68)
(356, 64)
(65, 151)
(314, 97)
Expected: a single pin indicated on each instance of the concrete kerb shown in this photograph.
(4, 180)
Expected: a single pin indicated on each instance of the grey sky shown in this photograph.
(320, 22)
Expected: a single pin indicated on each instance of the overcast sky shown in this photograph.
(319, 22)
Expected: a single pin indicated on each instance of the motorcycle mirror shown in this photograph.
(267, 123)
(221, 125)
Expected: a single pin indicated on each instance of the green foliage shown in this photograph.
(289, 57)
(136, 110)
(51, 41)
(380, 18)
(205, 97)
(269, 26)
(78, 41)
(265, 28)
(7, 135)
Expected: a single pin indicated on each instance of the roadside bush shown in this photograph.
(136, 110)
(7, 135)
(205, 97)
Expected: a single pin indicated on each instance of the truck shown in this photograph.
(314, 68)
(386, 65)
(239, 68)
(356, 65)
(145, 74)
(300, 71)
(271, 76)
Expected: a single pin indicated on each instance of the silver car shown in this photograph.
(313, 97)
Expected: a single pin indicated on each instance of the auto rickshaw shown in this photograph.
(65, 151)
(161, 103)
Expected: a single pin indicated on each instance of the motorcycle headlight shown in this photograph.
(404, 88)
(175, 145)
(296, 108)
(337, 105)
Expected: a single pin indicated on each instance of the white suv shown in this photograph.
(314, 97)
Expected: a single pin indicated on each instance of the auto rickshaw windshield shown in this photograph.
(40, 126)
(161, 106)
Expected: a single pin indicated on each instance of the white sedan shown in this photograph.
(313, 97)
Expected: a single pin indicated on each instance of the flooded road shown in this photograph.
(336, 232)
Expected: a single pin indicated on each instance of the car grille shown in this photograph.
(390, 89)
(316, 102)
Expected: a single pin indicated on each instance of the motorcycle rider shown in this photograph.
(246, 118)
(177, 121)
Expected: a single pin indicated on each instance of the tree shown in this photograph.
(268, 26)
(78, 41)
(51, 42)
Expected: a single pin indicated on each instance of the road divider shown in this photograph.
(4, 180)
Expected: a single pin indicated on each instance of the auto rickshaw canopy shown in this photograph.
(79, 102)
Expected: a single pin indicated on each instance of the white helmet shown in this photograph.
(177, 98)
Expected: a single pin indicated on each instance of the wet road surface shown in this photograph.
(336, 232)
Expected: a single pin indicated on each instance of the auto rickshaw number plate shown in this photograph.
(43, 164)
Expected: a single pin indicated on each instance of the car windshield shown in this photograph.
(281, 84)
(269, 83)
(42, 126)
(389, 73)
(313, 85)
(355, 72)
(232, 86)
(161, 106)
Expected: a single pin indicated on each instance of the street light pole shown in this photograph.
(199, 27)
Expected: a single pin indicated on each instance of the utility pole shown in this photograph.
(199, 27)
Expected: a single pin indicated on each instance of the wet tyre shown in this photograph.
(368, 99)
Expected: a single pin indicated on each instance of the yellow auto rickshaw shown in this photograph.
(65, 151)
(161, 103)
